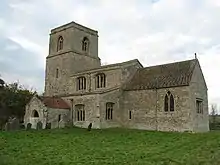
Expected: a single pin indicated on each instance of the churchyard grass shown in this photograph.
(110, 146)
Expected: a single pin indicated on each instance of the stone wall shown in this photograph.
(116, 76)
(53, 116)
(113, 76)
(147, 109)
(67, 64)
(112, 97)
(199, 90)
(91, 107)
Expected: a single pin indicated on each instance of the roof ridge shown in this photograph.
(170, 63)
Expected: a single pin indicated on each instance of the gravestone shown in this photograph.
(39, 125)
(22, 126)
(48, 126)
(12, 124)
(15, 124)
(7, 126)
(29, 126)
(89, 127)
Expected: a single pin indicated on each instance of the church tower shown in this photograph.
(73, 48)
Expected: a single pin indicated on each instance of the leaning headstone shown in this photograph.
(15, 124)
(29, 126)
(39, 125)
(7, 126)
(89, 127)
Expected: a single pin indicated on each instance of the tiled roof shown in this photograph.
(162, 76)
(54, 102)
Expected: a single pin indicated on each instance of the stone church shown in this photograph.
(80, 91)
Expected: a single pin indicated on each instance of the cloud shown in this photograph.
(153, 31)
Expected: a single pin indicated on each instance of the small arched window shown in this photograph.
(169, 102)
(35, 114)
(166, 103)
(85, 44)
(100, 80)
(60, 43)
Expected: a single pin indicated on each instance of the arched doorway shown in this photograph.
(35, 114)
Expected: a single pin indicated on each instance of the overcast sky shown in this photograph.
(153, 31)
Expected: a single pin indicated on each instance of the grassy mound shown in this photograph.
(110, 146)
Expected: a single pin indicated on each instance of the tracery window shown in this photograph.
(109, 111)
(85, 44)
(168, 102)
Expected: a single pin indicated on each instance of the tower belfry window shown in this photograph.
(85, 44)
(60, 43)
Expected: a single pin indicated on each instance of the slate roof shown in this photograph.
(54, 102)
(162, 76)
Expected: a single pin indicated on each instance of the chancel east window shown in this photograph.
(109, 111)
(85, 44)
(168, 102)
(81, 83)
(100, 80)
(60, 43)
(80, 112)
(199, 106)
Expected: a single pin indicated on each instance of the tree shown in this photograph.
(2, 83)
(13, 99)
(214, 115)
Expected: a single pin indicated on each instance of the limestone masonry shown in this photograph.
(79, 91)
